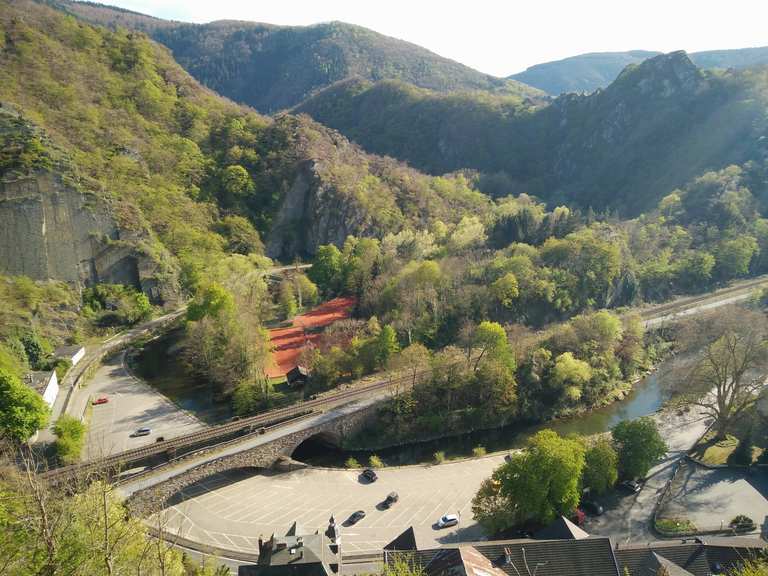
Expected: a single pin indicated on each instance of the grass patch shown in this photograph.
(715, 453)
(675, 526)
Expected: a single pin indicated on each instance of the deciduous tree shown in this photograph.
(729, 364)
(601, 467)
(639, 446)
(537, 483)
(22, 410)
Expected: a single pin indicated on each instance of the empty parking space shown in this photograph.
(234, 509)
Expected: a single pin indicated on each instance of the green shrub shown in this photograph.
(116, 304)
(375, 462)
(352, 463)
(70, 438)
(439, 457)
(675, 526)
(478, 451)
(62, 366)
(742, 523)
(742, 455)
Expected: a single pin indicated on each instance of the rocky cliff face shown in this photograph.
(52, 229)
(312, 213)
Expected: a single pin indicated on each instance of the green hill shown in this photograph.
(136, 174)
(588, 72)
(582, 73)
(659, 124)
(275, 67)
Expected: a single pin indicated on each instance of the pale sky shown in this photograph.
(502, 37)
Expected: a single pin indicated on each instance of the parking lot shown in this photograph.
(710, 498)
(233, 510)
(132, 404)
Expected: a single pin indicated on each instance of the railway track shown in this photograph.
(686, 303)
(234, 430)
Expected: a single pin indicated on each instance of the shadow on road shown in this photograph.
(215, 482)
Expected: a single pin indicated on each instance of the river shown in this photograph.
(160, 365)
(646, 397)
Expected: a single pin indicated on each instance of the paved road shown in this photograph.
(73, 401)
(132, 404)
(231, 510)
(628, 518)
(238, 445)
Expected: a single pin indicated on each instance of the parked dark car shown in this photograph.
(592, 508)
(141, 432)
(390, 500)
(631, 486)
(369, 475)
(356, 517)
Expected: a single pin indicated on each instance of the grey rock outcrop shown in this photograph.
(313, 212)
(51, 230)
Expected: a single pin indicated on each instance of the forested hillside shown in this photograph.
(250, 62)
(588, 72)
(184, 174)
(657, 126)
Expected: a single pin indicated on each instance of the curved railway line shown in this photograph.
(233, 430)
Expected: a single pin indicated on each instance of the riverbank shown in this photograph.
(646, 397)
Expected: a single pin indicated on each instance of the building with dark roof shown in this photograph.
(295, 554)
(561, 529)
(72, 354)
(44, 383)
(577, 555)
(297, 376)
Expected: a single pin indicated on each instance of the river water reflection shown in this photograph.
(159, 363)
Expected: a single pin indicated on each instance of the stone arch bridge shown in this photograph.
(148, 492)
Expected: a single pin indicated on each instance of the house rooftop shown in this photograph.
(38, 380)
(578, 556)
(561, 529)
(295, 554)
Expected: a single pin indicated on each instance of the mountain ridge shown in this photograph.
(593, 70)
(247, 61)
(176, 176)
(660, 123)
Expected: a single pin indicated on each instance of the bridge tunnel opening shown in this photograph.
(321, 449)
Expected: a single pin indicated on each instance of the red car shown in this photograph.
(102, 400)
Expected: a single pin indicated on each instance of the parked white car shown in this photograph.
(448, 520)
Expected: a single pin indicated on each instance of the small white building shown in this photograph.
(44, 383)
(72, 353)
